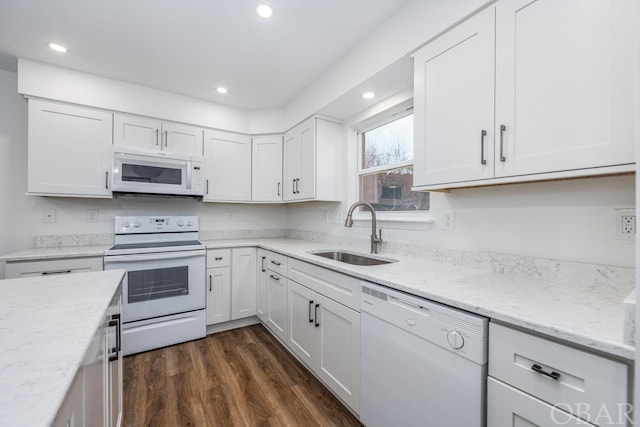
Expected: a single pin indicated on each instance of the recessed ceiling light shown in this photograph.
(368, 95)
(264, 11)
(57, 47)
(222, 89)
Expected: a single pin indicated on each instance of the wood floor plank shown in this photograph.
(242, 377)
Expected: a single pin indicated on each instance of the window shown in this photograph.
(385, 172)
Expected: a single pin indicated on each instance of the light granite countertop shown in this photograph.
(583, 314)
(586, 309)
(46, 327)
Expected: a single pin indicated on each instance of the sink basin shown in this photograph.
(352, 258)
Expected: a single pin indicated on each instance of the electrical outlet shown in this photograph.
(625, 224)
(92, 215)
(49, 215)
(449, 220)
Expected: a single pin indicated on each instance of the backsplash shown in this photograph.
(589, 276)
(66, 240)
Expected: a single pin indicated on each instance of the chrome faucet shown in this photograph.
(376, 239)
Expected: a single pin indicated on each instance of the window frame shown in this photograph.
(387, 116)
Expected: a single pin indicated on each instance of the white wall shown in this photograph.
(21, 215)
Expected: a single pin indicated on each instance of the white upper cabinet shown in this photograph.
(527, 90)
(266, 171)
(564, 85)
(313, 154)
(227, 158)
(154, 134)
(453, 104)
(69, 150)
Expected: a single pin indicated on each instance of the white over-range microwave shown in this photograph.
(153, 172)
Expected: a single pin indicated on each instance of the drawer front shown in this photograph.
(509, 407)
(52, 266)
(583, 380)
(276, 263)
(339, 287)
(218, 258)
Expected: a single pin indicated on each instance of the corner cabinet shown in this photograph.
(312, 160)
(227, 158)
(559, 76)
(154, 134)
(69, 150)
(266, 170)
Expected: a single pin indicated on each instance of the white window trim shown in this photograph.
(395, 220)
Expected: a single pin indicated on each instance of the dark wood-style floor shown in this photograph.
(242, 377)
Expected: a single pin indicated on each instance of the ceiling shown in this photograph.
(192, 46)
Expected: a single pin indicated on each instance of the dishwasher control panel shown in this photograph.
(456, 330)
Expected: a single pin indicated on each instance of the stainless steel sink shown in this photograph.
(352, 258)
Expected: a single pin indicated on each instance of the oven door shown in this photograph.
(140, 173)
(160, 284)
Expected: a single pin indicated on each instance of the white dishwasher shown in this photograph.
(422, 363)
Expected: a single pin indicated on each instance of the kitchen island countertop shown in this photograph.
(46, 327)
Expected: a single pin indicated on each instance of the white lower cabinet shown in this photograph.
(243, 283)
(95, 395)
(231, 284)
(261, 285)
(218, 295)
(276, 309)
(326, 336)
(48, 267)
(537, 382)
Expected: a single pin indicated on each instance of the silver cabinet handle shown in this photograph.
(274, 277)
(502, 129)
(166, 138)
(262, 265)
(157, 133)
(275, 262)
(278, 189)
(207, 182)
(483, 133)
(293, 186)
(106, 180)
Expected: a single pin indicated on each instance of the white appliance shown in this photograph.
(155, 172)
(422, 363)
(164, 286)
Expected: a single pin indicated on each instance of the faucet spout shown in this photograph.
(376, 238)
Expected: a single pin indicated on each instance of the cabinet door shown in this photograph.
(95, 386)
(182, 139)
(139, 132)
(564, 85)
(243, 283)
(301, 338)
(338, 346)
(277, 305)
(69, 151)
(509, 407)
(266, 173)
(227, 167)
(70, 413)
(261, 285)
(291, 164)
(306, 185)
(454, 103)
(218, 295)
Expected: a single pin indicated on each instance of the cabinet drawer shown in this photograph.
(52, 266)
(338, 287)
(276, 263)
(582, 380)
(218, 258)
(509, 407)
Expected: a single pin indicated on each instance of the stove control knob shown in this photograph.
(137, 224)
(180, 222)
(189, 223)
(456, 340)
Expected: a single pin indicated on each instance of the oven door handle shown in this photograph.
(153, 256)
